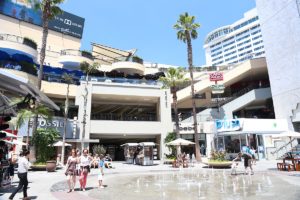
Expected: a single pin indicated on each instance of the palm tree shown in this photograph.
(49, 10)
(27, 114)
(174, 78)
(87, 69)
(187, 30)
(68, 78)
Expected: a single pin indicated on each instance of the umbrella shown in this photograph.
(18, 142)
(9, 134)
(180, 142)
(60, 143)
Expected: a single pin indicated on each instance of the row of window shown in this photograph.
(241, 33)
(259, 53)
(258, 48)
(230, 43)
(233, 57)
(245, 53)
(240, 44)
(216, 49)
(241, 38)
(229, 48)
(245, 47)
(227, 30)
(218, 53)
(218, 63)
(246, 23)
(228, 54)
(254, 27)
(256, 43)
(255, 38)
(255, 32)
(217, 58)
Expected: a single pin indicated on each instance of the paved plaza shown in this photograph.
(44, 185)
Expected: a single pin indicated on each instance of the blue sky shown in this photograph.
(147, 25)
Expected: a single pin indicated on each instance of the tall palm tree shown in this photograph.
(87, 69)
(186, 31)
(174, 78)
(25, 115)
(68, 78)
(49, 10)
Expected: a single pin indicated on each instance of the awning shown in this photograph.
(20, 85)
(85, 140)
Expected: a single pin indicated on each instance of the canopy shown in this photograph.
(130, 144)
(180, 142)
(20, 85)
(8, 134)
(147, 143)
(60, 144)
(291, 134)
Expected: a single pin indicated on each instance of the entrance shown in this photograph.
(113, 146)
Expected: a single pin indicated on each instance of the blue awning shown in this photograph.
(4, 55)
(21, 57)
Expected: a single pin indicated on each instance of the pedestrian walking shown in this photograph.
(101, 171)
(85, 162)
(71, 170)
(23, 166)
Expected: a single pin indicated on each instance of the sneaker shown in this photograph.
(83, 189)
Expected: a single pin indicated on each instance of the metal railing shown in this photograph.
(16, 39)
(125, 81)
(75, 52)
(123, 117)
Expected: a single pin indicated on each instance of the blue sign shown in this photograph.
(228, 125)
(66, 23)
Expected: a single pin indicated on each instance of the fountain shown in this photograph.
(197, 184)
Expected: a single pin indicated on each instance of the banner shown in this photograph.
(66, 23)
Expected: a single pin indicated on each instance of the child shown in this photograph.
(100, 173)
(235, 164)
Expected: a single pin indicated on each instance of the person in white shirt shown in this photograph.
(23, 166)
(85, 162)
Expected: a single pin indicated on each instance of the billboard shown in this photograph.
(216, 76)
(66, 23)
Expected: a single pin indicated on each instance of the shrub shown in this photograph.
(137, 59)
(170, 137)
(29, 42)
(99, 149)
(87, 54)
(218, 155)
(43, 140)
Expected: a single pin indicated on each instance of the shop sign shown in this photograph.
(43, 123)
(228, 125)
(216, 76)
(217, 88)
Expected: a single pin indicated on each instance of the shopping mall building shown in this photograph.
(125, 102)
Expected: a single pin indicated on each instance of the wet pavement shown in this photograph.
(127, 181)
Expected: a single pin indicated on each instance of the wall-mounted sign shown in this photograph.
(217, 89)
(66, 23)
(228, 125)
(216, 76)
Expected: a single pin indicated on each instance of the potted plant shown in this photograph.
(218, 160)
(87, 54)
(43, 139)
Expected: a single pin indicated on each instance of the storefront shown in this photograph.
(233, 135)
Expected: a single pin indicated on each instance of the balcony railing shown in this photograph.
(124, 81)
(18, 39)
(123, 117)
(74, 52)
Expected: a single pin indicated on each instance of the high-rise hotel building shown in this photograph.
(235, 43)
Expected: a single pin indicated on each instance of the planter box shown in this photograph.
(51, 166)
(225, 164)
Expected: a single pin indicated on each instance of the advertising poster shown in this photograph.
(66, 23)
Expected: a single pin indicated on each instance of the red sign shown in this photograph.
(216, 76)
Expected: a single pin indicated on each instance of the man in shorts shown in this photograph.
(100, 172)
